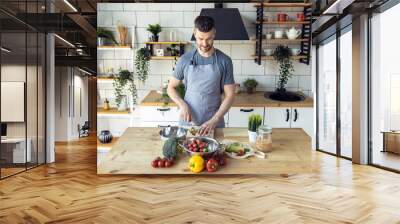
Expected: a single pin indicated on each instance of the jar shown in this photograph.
(264, 139)
(105, 136)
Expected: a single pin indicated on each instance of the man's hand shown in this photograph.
(186, 115)
(208, 126)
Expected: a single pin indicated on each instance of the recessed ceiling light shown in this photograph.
(86, 72)
(5, 50)
(70, 5)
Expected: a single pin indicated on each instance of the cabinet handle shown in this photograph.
(244, 110)
(163, 109)
(295, 115)
(287, 115)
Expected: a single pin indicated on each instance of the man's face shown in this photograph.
(204, 40)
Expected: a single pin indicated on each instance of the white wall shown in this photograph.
(180, 17)
(69, 81)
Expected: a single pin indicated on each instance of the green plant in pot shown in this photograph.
(173, 49)
(142, 64)
(282, 56)
(250, 85)
(154, 30)
(255, 121)
(123, 80)
(103, 35)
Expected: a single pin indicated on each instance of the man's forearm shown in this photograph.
(173, 94)
(225, 106)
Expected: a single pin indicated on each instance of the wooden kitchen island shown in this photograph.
(137, 147)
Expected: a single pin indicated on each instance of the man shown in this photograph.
(207, 73)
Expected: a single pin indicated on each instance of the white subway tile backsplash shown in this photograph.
(161, 67)
(105, 54)
(237, 67)
(305, 82)
(153, 82)
(159, 7)
(293, 82)
(226, 48)
(100, 66)
(145, 18)
(271, 68)
(142, 35)
(183, 7)
(115, 64)
(239, 6)
(249, 7)
(171, 19)
(104, 19)
(135, 6)
(188, 19)
(110, 6)
(123, 54)
(124, 18)
(249, 67)
(200, 6)
(242, 51)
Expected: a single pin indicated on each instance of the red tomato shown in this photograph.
(161, 163)
(212, 165)
(154, 163)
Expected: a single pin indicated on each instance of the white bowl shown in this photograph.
(268, 52)
(269, 36)
(295, 51)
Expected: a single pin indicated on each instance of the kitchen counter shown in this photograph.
(241, 100)
(137, 147)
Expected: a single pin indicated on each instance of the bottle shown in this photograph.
(106, 104)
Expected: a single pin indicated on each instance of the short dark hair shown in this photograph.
(204, 23)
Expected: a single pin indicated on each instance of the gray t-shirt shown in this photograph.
(224, 63)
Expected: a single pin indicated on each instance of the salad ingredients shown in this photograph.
(196, 164)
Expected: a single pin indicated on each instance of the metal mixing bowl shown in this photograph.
(213, 145)
(172, 131)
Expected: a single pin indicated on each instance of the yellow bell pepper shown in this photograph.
(196, 164)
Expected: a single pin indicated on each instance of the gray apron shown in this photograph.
(203, 91)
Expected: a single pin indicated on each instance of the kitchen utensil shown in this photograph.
(212, 144)
(268, 52)
(295, 51)
(278, 34)
(172, 131)
(293, 33)
(282, 17)
(300, 17)
(249, 151)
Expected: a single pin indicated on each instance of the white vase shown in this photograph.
(252, 136)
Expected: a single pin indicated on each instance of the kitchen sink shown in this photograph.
(285, 96)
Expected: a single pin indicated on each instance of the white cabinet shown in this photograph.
(239, 116)
(159, 114)
(296, 117)
(303, 118)
(277, 117)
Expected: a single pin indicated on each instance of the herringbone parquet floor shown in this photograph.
(69, 191)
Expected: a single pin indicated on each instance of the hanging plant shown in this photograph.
(142, 63)
(282, 56)
(121, 80)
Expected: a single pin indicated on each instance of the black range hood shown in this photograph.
(228, 22)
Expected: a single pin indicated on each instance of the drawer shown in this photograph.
(156, 114)
(239, 116)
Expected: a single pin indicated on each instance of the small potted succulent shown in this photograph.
(155, 30)
(104, 35)
(250, 85)
(255, 121)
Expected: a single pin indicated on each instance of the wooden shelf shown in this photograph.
(163, 57)
(284, 23)
(168, 42)
(111, 111)
(105, 78)
(281, 41)
(116, 47)
(298, 57)
(283, 4)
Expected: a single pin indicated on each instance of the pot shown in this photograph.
(293, 33)
(252, 136)
(250, 90)
(105, 136)
(154, 38)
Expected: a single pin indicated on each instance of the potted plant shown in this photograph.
(155, 30)
(250, 85)
(103, 35)
(282, 56)
(255, 121)
(173, 49)
(124, 79)
(142, 63)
